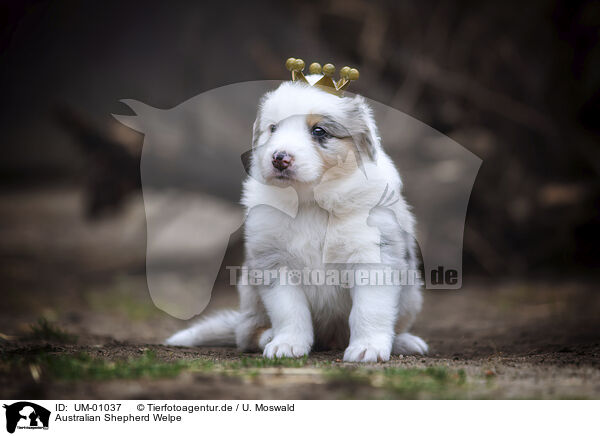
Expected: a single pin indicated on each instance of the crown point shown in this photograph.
(328, 69)
(344, 72)
(289, 64)
(353, 74)
(298, 65)
(314, 68)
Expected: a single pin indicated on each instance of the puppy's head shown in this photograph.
(301, 132)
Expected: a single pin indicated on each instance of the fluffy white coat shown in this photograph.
(344, 210)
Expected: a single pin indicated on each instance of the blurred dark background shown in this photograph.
(515, 83)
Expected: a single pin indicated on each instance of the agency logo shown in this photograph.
(26, 415)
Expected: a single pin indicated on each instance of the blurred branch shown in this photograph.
(428, 72)
(113, 170)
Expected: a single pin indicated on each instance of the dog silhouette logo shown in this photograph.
(26, 415)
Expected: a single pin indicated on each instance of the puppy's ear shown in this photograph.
(364, 129)
(256, 130)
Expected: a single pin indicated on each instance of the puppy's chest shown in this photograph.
(305, 237)
(298, 239)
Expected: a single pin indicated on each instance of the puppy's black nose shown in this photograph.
(282, 160)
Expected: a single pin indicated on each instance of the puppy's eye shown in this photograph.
(318, 132)
(272, 127)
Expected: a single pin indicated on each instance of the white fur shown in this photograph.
(339, 221)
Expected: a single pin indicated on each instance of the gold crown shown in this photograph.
(326, 83)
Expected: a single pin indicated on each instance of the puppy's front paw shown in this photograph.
(286, 346)
(372, 351)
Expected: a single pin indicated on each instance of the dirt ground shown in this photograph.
(509, 339)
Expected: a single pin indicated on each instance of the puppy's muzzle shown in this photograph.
(282, 160)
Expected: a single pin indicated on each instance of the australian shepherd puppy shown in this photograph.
(322, 199)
